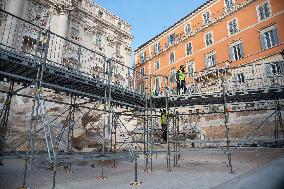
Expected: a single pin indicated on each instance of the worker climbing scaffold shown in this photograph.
(180, 79)
(164, 117)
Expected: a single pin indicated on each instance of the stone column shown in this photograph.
(59, 25)
(10, 24)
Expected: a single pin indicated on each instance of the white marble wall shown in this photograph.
(78, 21)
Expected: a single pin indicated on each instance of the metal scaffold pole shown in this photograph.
(227, 130)
(115, 140)
(168, 130)
(278, 123)
(151, 125)
(4, 115)
(178, 138)
(144, 134)
(70, 124)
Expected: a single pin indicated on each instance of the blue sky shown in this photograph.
(149, 17)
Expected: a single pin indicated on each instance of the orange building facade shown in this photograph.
(219, 33)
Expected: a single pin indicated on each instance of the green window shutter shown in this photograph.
(215, 60)
(275, 34)
(262, 42)
(232, 57)
(242, 50)
(206, 62)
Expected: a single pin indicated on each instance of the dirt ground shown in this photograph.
(198, 169)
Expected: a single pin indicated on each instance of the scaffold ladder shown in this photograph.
(4, 113)
(125, 138)
(46, 126)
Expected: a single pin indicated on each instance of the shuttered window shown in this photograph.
(208, 39)
(171, 39)
(187, 29)
(142, 57)
(157, 64)
(210, 60)
(236, 51)
(157, 48)
(229, 4)
(264, 11)
(269, 38)
(206, 18)
(188, 48)
(233, 26)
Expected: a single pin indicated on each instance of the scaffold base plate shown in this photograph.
(135, 183)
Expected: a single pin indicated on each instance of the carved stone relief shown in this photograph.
(37, 13)
(71, 53)
(3, 4)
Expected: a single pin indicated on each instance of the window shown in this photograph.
(171, 39)
(118, 47)
(99, 39)
(269, 38)
(210, 60)
(233, 26)
(208, 39)
(190, 69)
(206, 18)
(157, 48)
(240, 78)
(142, 72)
(142, 88)
(274, 68)
(157, 64)
(236, 51)
(142, 57)
(119, 25)
(172, 57)
(115, 70)
(263, 11)
(157, 84)
(100, 13)
(229, 4)
(187, 29)
(188, 48)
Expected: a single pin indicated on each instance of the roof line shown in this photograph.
(176, 23)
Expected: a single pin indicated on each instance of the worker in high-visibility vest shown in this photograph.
(180, 77)
(43, 41)
(164, 119)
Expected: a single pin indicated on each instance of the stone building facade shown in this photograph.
(239, 40)
(218, 34)
(102, 34)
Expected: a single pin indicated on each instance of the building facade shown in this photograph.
(218, 34)
(80, 21)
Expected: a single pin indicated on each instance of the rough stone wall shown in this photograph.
(239, 131)
(242, 124)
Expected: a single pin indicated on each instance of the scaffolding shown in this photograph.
(30, 62)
